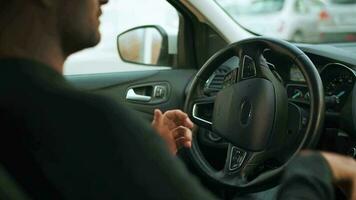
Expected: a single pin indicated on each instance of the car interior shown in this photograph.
(199, 83)
(256, 101)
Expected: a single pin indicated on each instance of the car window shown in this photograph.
(301, 21)
(119, 16)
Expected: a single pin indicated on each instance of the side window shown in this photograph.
(118, 17)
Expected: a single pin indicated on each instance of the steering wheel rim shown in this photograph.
(312, 128)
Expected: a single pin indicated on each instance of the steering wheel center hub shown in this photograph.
(244, 113)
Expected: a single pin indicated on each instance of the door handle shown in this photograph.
(131, 95)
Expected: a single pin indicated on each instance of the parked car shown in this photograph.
(293, 20)
(312, 21)
(338, 21)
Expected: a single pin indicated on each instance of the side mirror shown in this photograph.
(146, 45)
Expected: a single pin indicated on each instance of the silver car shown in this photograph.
(339, 21)
(311, 21)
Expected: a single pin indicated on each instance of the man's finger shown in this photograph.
(157, 116)
(183, 142)
(188, 123)
(182, 132)
(177, 116)
(187, 144)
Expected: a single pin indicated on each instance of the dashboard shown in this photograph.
(338, 80)
(337, 69)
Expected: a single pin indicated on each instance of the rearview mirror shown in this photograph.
(146, 45)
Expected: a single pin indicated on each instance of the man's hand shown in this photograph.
(174, 126)
(344, 172)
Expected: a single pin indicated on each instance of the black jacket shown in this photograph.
(60, 143)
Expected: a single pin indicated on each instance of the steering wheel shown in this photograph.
(253, 115)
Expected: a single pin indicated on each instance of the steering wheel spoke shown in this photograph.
(298, 118)
(202, 109)
(248, 68)
(235, 159)
(253, 64)
(240, 164)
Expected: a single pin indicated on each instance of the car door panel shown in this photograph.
(93, 82)
(117, 86)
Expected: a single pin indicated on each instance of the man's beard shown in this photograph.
(74, 42)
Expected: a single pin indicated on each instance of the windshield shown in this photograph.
(303, 21)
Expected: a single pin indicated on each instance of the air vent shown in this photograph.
(215, 83)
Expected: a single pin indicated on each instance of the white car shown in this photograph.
(339, 21)
(312, 21)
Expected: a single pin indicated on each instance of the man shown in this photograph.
(60, 143)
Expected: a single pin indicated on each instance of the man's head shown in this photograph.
(78, 23)
(42, 29)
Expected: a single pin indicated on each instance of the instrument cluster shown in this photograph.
(338, 81)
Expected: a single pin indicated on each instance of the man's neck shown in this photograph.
(30, 39)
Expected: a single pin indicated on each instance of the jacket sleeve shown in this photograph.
(307, 177)
(102, 150)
